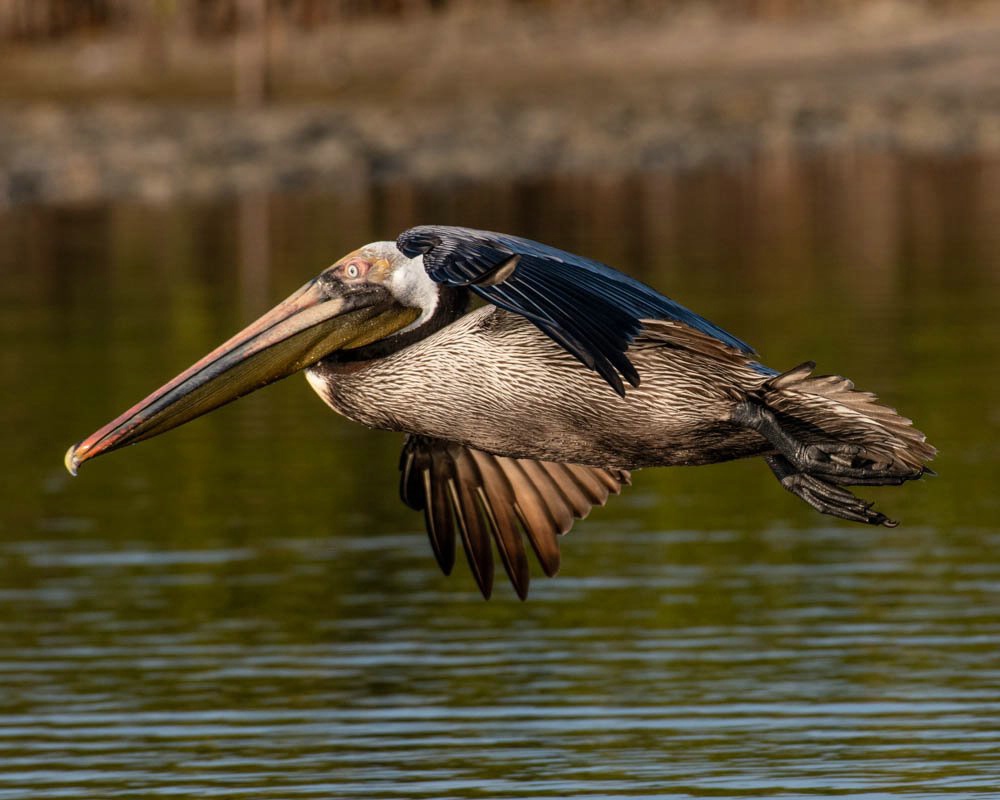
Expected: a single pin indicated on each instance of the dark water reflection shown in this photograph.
(244, 609)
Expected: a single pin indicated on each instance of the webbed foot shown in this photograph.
(838, 462)
(824, 497)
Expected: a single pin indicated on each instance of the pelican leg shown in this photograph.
(839, 462)
(824, 497)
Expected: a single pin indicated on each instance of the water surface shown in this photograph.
(243, 608)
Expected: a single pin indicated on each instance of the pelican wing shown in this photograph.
(591, 309)
(481, 497)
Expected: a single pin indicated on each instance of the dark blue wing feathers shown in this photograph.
(590, 309)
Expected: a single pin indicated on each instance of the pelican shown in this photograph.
(523, 413)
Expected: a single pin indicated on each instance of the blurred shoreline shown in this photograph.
(484, 94)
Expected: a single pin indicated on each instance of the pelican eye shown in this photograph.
(355, 269)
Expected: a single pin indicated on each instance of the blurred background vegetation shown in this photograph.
(157, 99)
(180, 48)
(43, 19)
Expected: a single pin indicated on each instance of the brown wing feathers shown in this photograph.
(541, 513)
(423, 487)
(482, 497)
(498, 501)
(463, 488)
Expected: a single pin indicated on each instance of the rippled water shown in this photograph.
(244, 609)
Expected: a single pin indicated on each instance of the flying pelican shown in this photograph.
(524, 413)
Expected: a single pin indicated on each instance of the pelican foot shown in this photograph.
(824, 497)
(839, 462)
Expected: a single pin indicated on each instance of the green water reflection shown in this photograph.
(244, 606)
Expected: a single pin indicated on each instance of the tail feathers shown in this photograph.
(818, 409)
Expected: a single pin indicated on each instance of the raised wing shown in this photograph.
(482, 496)
(591, 309)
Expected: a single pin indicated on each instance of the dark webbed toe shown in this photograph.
(825, 497)
(839, 462)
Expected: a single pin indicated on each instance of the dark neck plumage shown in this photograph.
(453, 302)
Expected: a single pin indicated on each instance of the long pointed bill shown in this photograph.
(290, 337)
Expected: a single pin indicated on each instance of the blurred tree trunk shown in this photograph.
(153, 17)
(253, 73)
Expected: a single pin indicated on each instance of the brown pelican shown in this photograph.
(524, 413)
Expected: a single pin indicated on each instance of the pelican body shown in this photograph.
(524, 413)
(491, 380)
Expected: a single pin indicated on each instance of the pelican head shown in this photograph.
(370, 295)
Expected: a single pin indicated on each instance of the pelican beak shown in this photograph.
(295, 334)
